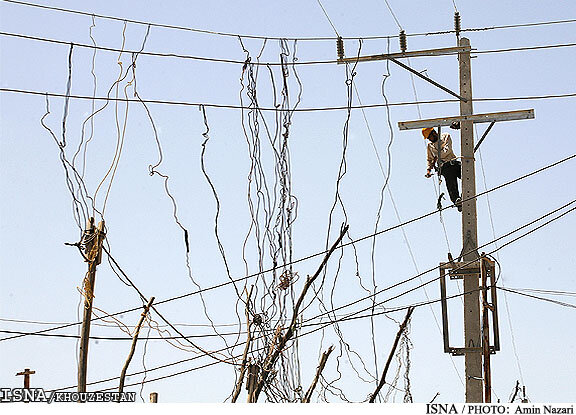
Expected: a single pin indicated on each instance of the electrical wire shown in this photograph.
(319, 253)
(323, 252)
(75, 336)
(328, 17)
(239, 62)
(393, 286)
(550, 292)
(393, 14)
(525, 48)
(354, 316)
(321, 326)
(462, 264)
(314, 109)
(561, 303)
(53, 323)
(507, 306)
(317, 38)
(300, 335)
(67, 96)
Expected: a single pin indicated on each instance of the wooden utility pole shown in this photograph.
(27, 372)
(93, 238)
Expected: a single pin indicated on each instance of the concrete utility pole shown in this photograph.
(472, 337)
(469, 269)
(93, 238)
(27, 372)
(473, 345)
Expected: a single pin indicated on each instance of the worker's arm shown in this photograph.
(431, 159)
(447, 145)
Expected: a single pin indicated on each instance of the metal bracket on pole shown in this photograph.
(475, 118)
(394, 56)
(483, 268)
(484, 135)
(436, 84)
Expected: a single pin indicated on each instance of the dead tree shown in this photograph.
(274, 353)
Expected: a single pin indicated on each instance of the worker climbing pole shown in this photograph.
(440, 156)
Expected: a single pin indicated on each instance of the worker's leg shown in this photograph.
(458, 167)
(451, 174)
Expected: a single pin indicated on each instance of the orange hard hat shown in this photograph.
(426, 132)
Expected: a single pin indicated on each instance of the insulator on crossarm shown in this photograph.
(340, 48)
(403, 41)
(457, 26)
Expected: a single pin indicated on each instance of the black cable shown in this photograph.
(318, 38)
(525, 48)
(75, 336)
(309, 256)
(355, 316)
(312, 109)
(153, 307)
(550, 292)
(461, 264)
(324, 325)
(240, 62)
(537, 297)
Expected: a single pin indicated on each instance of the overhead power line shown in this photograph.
(224, 349)
(561, 303)
(350, 317)
(525, 48)
(378, 232)
(310, 109)
(341, 246)
(541, 291)
(312, 255)
(243, 62)
(461, 264)
(247, 36)
(56, 323)
(75, 336)
(309, 256)
(357, 314)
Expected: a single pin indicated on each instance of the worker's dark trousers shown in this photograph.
(452, 172)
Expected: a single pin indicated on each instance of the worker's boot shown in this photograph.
(458, 204)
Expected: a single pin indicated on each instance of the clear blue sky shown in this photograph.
(40, 276)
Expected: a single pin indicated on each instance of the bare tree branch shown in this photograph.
(321, 365)
(245, 355)
(275, 352)
(133, 348)
(391, 355)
